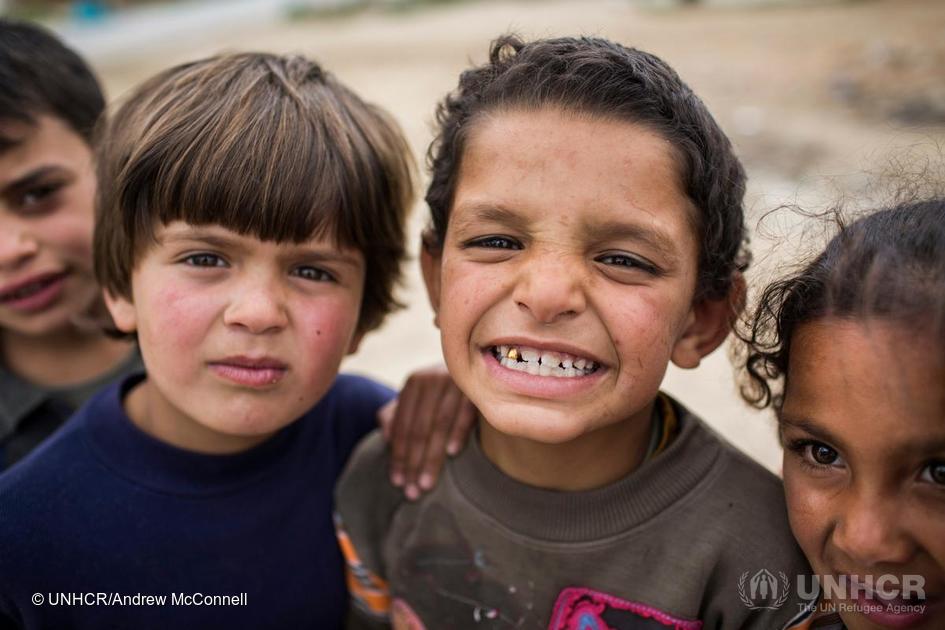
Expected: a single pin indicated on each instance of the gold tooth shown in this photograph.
(513, 354)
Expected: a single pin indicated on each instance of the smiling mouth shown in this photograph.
(543, 362)
(29, 290)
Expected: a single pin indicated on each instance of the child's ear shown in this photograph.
(122, 311)
(431, 255)
(709, 323)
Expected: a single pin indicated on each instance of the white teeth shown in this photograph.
(528, 354)
(539, 363)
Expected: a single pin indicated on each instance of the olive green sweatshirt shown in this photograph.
(696, 537)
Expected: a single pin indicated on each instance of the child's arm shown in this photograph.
(430, 419)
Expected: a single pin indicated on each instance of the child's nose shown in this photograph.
(16, 246)
(551, 288)
(258, 309)
(869, 530)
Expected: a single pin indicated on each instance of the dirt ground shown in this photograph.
(820, 99)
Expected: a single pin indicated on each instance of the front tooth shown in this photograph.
(580, 363)
(545, 370)
(532, 367)
(550, 359)
(571, 372)
(529, 355)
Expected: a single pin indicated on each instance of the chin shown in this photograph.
(549, 430)
(251, 423)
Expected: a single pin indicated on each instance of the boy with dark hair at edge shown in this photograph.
(52, 358)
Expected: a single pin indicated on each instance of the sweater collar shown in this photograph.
(143, 459)
(557, 516)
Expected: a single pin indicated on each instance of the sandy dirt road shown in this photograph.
(815, 96)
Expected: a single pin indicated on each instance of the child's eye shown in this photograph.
(205, 260)
(495, 242)
(313, 273)
(934, 473)
(822, 454)
(32, 199)
(817, 454)
(628, 262)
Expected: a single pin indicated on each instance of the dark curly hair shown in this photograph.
(888, 265)
(598, 77)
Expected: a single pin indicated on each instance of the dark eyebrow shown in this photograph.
(31, 179)
(478, 212)
(924, 445)
(808, 426)
(332, 256)
(222, 242)
(198, 235)
(599, 232)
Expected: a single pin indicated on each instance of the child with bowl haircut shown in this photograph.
(587, 230)
(51, 357)
(250, 230)
(850, 352)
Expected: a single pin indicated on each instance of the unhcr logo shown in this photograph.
(763, 590)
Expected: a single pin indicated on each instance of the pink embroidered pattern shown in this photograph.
(586, 609)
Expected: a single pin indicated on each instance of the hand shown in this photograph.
(430, 419)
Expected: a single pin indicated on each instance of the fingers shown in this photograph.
(400, 431)
(465, 414)
(431, 418)
(423, 430)
(385, 418)
(429, 467)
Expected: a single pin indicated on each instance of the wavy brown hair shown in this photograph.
(888, 265)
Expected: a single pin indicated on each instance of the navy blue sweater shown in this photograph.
(102, 516)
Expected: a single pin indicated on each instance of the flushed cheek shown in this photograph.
(178, 320)
(328, 327)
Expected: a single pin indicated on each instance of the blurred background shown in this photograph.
(824, 100)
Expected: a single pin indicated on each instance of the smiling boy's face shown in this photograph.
(47, 192)
(239, 336)
(566, 279)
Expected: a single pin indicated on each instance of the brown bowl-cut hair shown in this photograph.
(264, 145)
